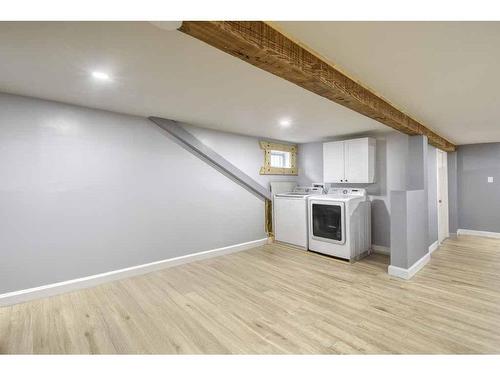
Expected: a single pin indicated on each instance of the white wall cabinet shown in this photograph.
(351, 161)
(333, 157)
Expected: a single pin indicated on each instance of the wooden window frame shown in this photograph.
(267, 169)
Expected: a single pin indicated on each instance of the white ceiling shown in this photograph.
(445, 74)
(163, 73)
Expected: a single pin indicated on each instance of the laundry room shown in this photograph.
(389, 171)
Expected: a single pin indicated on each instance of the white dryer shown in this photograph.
(340, 223)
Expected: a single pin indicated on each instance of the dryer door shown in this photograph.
(327, 221)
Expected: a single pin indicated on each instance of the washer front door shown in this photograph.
(328, 221)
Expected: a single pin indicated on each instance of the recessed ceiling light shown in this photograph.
(285, 123)
(101, 76)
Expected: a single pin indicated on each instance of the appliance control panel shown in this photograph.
(308, 189)
(347, 191)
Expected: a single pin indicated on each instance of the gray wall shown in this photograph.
(242, 151)
(478, 200)
(409, 227)
(432, 193)
(409, 208)
(417, 226)
(85, 191)
(417, 164)
(310, 163)
(452, 192)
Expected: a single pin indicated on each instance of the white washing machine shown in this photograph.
(290, 215)
(340, 223)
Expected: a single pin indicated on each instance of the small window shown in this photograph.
(279, 158)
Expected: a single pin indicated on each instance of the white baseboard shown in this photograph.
(433, 247)
(480, 233)
(408, 273)
(381, 250)
(13, 298)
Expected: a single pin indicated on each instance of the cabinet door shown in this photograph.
(356, 161)
(333, 162)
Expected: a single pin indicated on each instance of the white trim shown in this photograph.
(433, 247)
(381, 249)
(408, 273)
(470, 232)
(12, 298)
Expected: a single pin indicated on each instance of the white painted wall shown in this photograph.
(84, 191)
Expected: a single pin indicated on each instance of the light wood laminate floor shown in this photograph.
(275, 299)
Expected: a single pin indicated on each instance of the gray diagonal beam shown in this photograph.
(205, 153)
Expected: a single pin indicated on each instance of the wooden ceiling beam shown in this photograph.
(259, 44)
